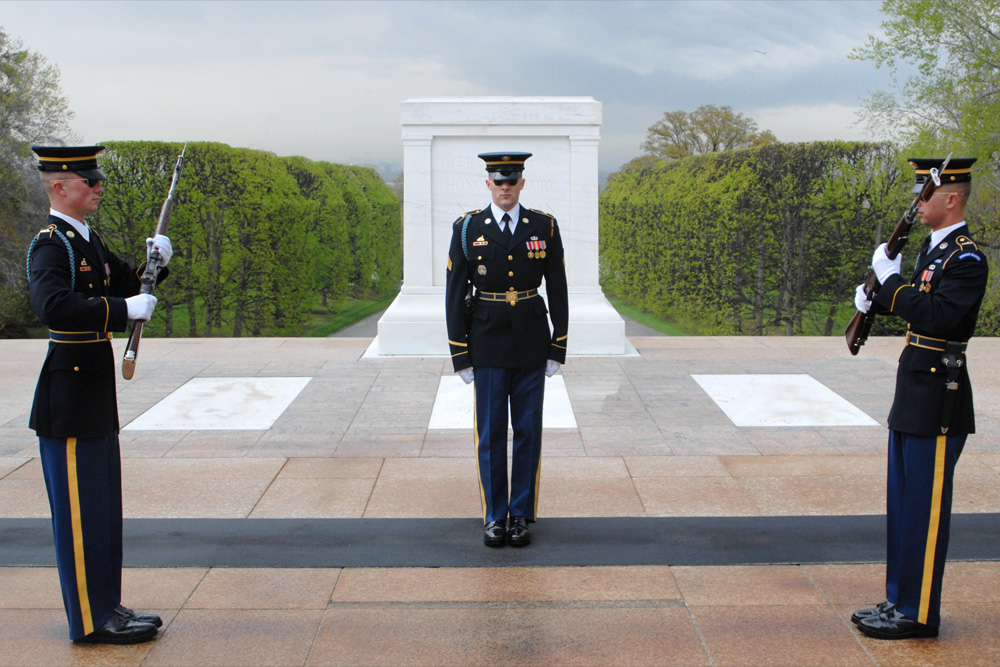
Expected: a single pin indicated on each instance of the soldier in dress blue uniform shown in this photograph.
(498, 332)
(83, 292)
(932, 411)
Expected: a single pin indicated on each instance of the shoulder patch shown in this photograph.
(970, 254)
(465, 215)
(966, 243)
(46, 230)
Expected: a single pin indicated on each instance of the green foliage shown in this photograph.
(257, 238)
(764, 240)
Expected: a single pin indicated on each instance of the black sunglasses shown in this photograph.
(508, 181)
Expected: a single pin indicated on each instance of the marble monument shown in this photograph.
(443, 178)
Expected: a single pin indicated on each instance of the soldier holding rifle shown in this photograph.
(932, 411)
(83, 292)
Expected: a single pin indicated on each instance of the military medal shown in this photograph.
(83, 265)
(536, 248)
(480, 241)
(925, 278)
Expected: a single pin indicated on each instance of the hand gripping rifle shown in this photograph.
(861, 324)
(152, 272)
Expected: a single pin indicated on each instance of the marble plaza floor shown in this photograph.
(710, 501)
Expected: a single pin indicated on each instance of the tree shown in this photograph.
(707, 129)
(32, 111)
(955, 45)
(257, 239)
(764, 240)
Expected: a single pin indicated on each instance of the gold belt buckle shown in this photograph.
(511, 296)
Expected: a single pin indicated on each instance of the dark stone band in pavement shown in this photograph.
(605, 541)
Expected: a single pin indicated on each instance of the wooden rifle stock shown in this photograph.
(151, 272)
(861, 324)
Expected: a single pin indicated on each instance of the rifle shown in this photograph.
(861, 324)
(151, 272)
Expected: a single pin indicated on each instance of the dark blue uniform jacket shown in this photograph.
(941, 301)
(75, 396)
(498, 334)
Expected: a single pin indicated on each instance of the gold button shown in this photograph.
(90, 285)
(510, 257)
(480, 258)
(510, 274)
(933, 370)
(76, 368)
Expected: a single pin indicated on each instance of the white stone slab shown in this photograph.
(230, 403)
(780, 400)
(454, 402)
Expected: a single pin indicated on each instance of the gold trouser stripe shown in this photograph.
(932, 529)
(475, 436)
(538, 480)
(73, 485)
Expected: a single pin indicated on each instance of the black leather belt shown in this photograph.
(79, 336)
(928, 343)
(510, 296)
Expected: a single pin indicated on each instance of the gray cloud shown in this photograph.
(325, 79)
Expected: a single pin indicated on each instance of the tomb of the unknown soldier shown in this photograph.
(314, 501)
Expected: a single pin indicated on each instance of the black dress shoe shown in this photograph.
(125, 612)
(120, 630)
(517, 534)
(495, 534)
(891, 624)
(871, 612)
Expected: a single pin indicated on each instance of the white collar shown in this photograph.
(80, 227)
(514, 214)
(939, 235)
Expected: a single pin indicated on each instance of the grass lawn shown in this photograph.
(324, 323)
(651, 321)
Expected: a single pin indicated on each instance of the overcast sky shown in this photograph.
(325, 79)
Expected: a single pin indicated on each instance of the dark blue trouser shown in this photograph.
(524, 391)
(84, 482)
(918, 513)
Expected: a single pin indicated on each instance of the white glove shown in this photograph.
(883, 266)
(467, 374)
(861, 300)
(551, 367)
(140, 307)
(161, 243)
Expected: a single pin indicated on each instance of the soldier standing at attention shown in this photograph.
(500, 338)
(83, 292)
(932, 411)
